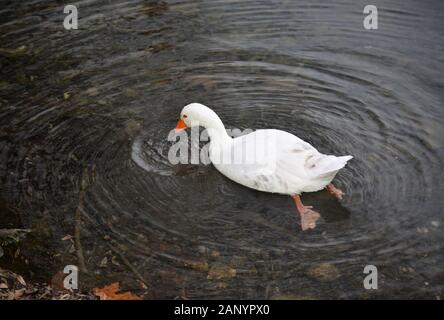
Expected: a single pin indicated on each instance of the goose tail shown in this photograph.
(324, 165)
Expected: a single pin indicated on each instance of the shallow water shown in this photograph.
(85, 115)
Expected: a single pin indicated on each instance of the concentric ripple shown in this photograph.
(85, 117)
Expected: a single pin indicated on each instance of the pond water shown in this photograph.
(85, 115)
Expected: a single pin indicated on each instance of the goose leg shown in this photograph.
(335, 191)
(308, 216)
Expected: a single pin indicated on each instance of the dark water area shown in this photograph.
(85, 115)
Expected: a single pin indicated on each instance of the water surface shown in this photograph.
(85, 115)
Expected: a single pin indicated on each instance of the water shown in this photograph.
(79, 107)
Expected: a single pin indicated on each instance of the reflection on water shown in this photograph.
(85, 115)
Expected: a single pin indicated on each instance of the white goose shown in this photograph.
(267, 160)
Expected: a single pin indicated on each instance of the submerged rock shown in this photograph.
(323, 272)
(199, 265)
(220, 271)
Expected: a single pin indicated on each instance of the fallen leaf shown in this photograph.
(21, 280)
(104, 263)
(57, 281)
(219, 271)
(110, 293)
(143, 285)
(114, 261)
(67, 237)
(196, 265)
(17, 294)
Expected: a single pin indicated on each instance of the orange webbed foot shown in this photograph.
(308, 216)
(335, 191)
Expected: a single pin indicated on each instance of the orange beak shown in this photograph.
(180, 125)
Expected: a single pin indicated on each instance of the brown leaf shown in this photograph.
(104, 263)
(21, 280)
(110, 293)
(57, 281)
(114, 261)
(17, 294)
(67, 237)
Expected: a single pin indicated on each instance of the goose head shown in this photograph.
(196, 114)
